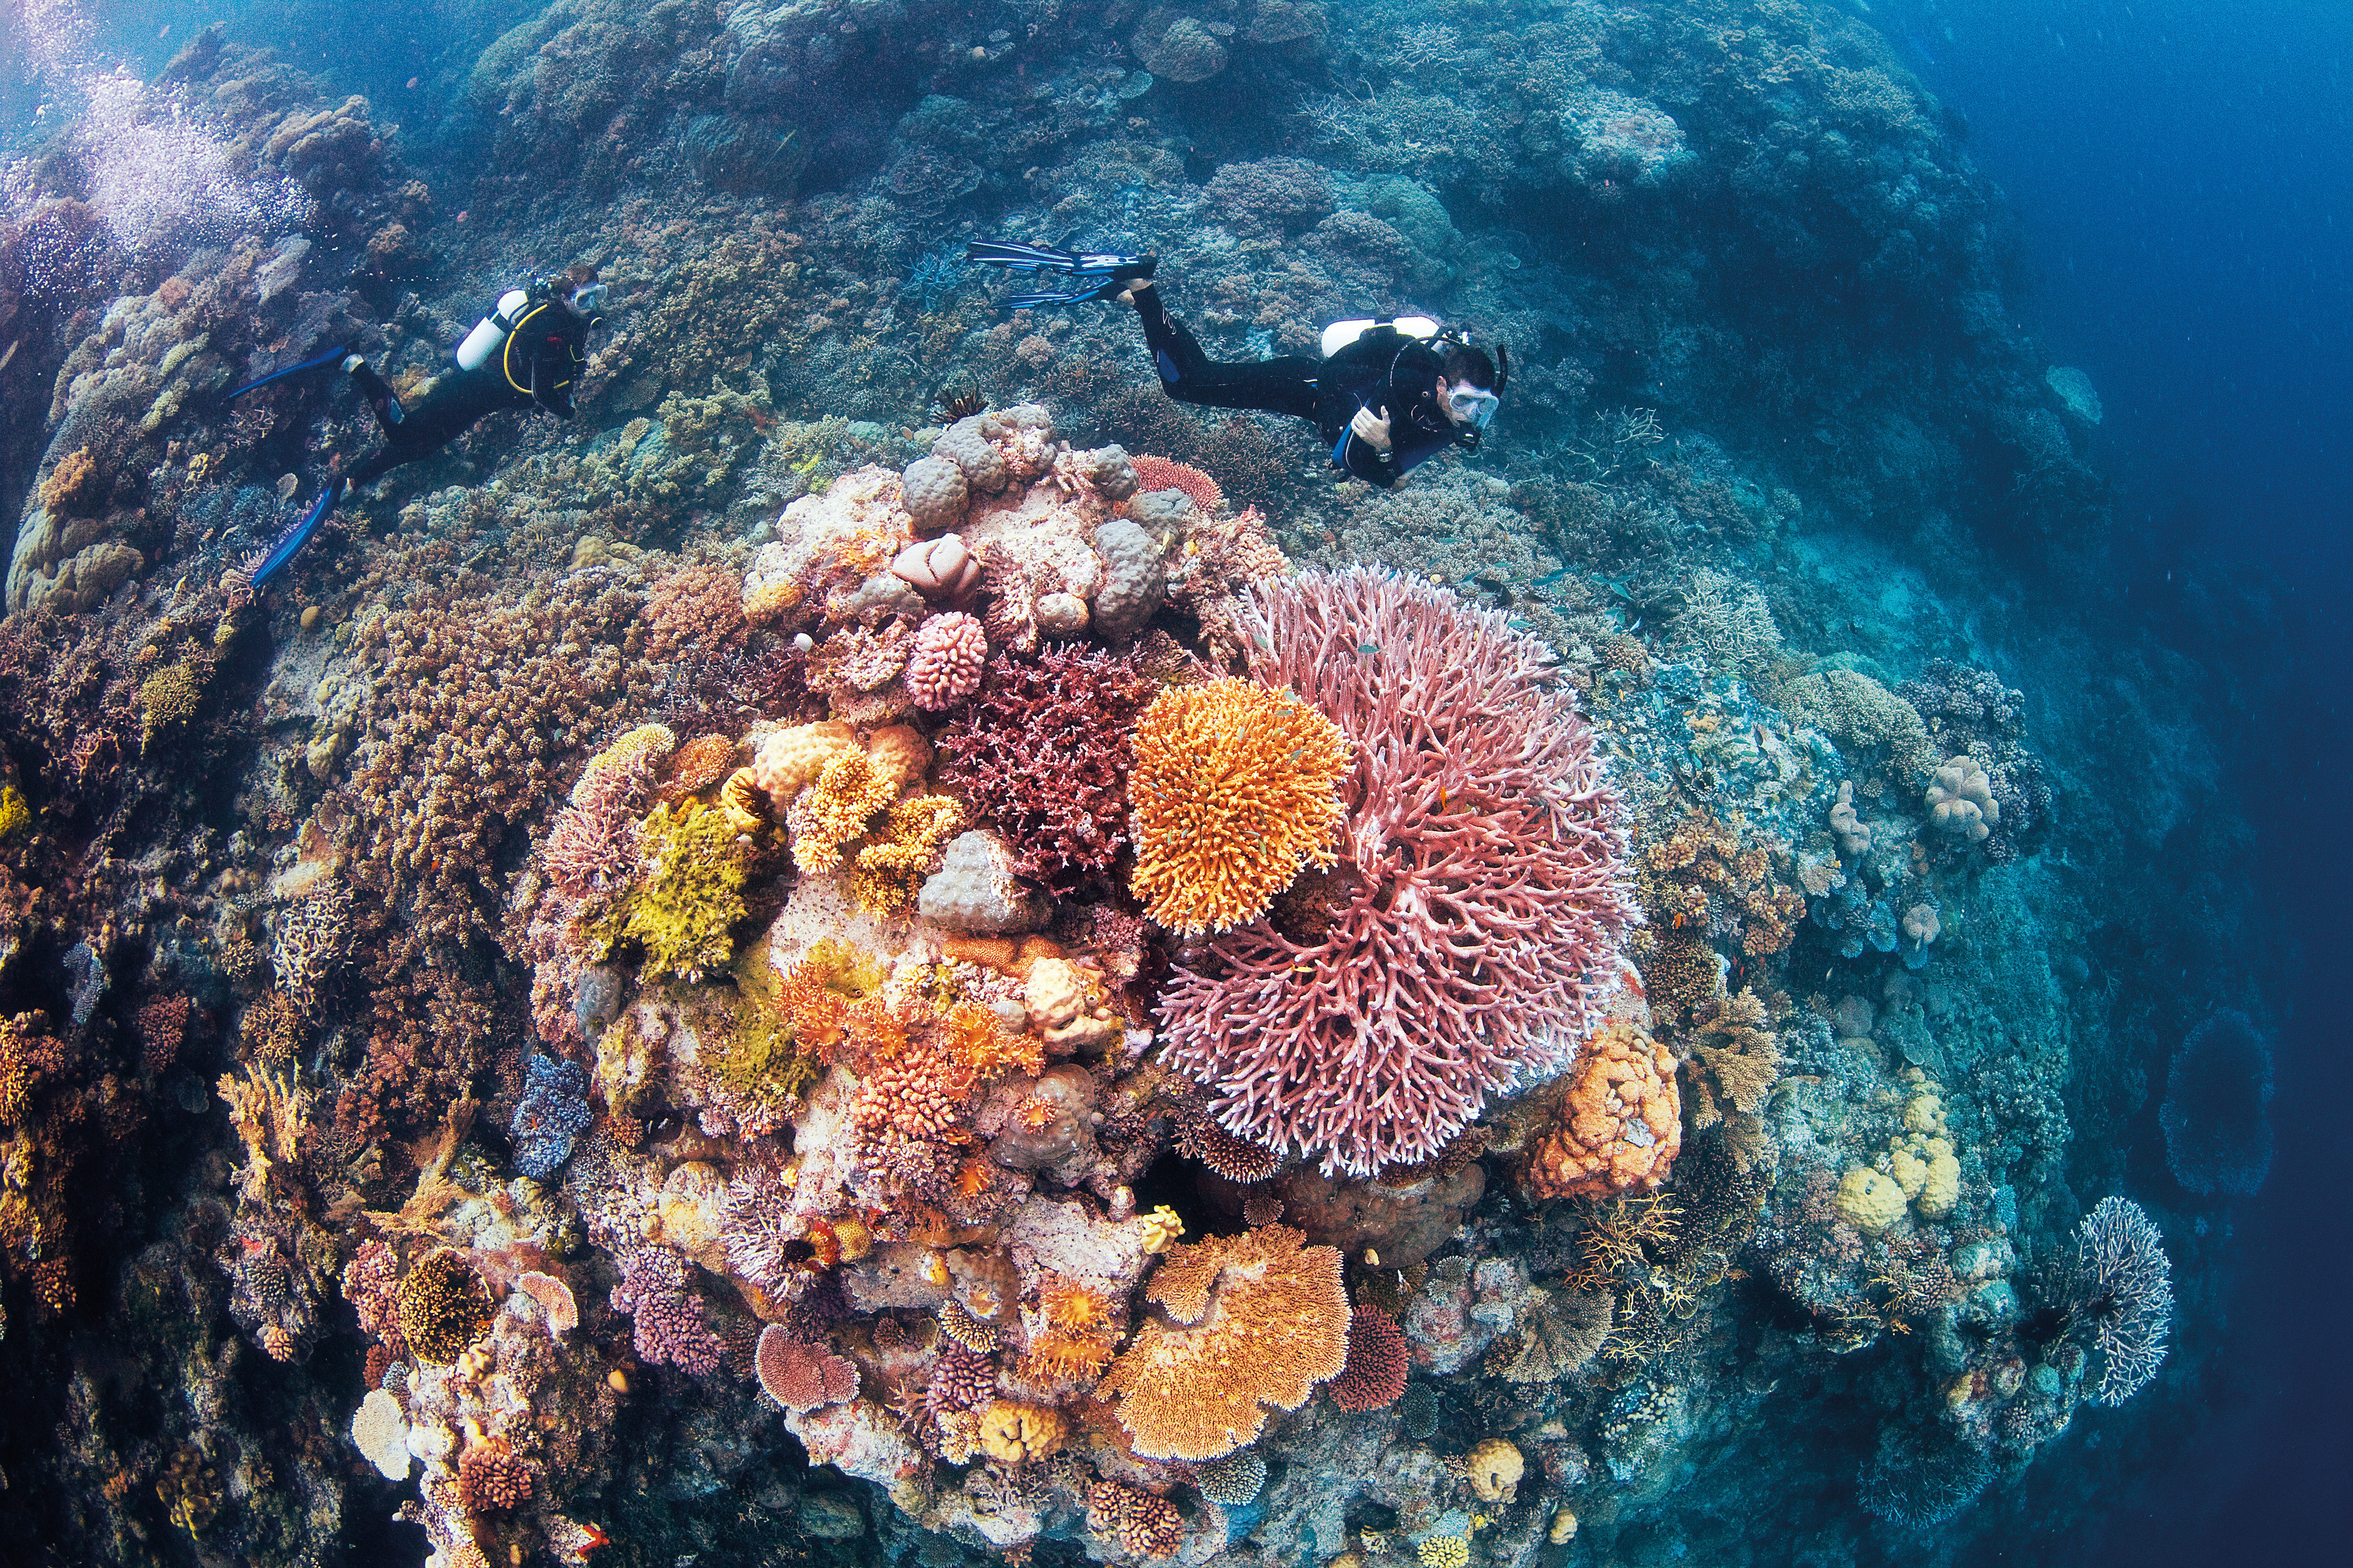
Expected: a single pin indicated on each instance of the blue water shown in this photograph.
(2183, 174)
(2184, 170)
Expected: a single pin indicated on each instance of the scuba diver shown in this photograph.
(525, 353)
(1385, 396)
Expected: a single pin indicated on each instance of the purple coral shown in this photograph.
(1471, 938)
(1043, 754)
(670, 1326)
(552, 1112)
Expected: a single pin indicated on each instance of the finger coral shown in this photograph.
(669, 1319)
(949, 652)
(1234, 794)
(1471, 937)
(1620, 1124)
(1252, 1320)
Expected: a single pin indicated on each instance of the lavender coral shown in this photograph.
(670, 1326)
(1469, 938)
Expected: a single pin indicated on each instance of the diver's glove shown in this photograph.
(1094, 275)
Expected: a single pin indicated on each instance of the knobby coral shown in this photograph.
(1470, 936)
(1620, 1123)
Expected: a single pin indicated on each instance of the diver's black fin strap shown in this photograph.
(329, 357)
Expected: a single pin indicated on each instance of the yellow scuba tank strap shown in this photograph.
(506, 352)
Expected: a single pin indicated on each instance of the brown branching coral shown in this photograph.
(440, 1307)
(1698, 876)
(1252, 1320)
(1737, 1058)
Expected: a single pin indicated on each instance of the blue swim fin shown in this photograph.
(291, 541)
(329, 357)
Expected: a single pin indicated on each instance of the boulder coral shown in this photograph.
(1620, 1124)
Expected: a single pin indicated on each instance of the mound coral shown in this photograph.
(1233, 788)
(1471, 937)
(1252, 1320)
(1620, 1123)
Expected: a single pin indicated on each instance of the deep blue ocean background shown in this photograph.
(2183, 170)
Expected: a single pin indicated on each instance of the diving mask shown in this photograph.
(588, 298)
(1471, 404)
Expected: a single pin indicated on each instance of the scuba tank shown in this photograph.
(492, 330)
(1340, 334)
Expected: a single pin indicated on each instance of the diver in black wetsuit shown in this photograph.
(1386, 400)
(1387, 396)
(526, 354)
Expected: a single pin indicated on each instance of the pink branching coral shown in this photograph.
(799, 1375)
(1043, 754)
(1469, 941)
(670, 1326)
(910, 1115)
(945, 669)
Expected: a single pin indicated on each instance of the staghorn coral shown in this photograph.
(1043, 754)
(1234, 794)
(890, 870)
(1251, 1320)
(839, 807)
(1470, 936)
(1619, 1124)
(2115, 1298)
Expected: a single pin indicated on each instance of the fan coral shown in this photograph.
(1043, 754)
(1252, 1321)
(945, 669)
(553, 1111)
(799, 1375)
(1233, 788)
(670, 1326)
(1375, 1370)
(1620, 1123)
(2218, 1138)
(441, 1308)
(1471, 935)
(2117, 1297)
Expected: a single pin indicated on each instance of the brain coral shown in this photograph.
(1469, 939)
(1620, 1123)
(1233, 789)
(2217, 1137)
(1252, 1321)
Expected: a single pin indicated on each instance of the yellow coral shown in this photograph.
(891, 871)
(169, 696)
(744, 802)
(845, 798)
(15, 815)
(788, 759)
(1253, 1321)
(1494, 1470)
(1012, 1433)
(1234, 788)
(1443, 1552)
(1869, 1201)
(1942, 1188)
(1161, 1229)
(648, 743)
(692, 894)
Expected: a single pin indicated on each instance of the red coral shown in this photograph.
(799, 1375)
(1043, 754)
(1375, 1374)
(1162, 474)
(162, 1025)
(370, 1280)
(1471, 937)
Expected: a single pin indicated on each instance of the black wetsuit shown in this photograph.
(1383, 368)
(534, 368)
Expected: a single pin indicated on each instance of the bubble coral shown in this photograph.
(949, 652)
(1476, 938)
(1233, 788)
(1374, 1373)
(1252, 1320)
(1620, 1124)
(440, 1307)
